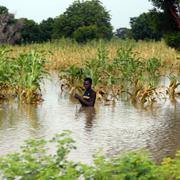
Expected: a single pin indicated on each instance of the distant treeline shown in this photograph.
(88, 20)
(163, 21)
(82, 21)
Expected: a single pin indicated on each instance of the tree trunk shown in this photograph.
(174, 10)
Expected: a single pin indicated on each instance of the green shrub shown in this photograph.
(132, 166)
(36, 162)
(173, 40)
(152, 67)
(130, 66)
(170, 168)
(85, 33)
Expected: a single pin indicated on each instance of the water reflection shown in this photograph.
(30, 112)
(89, 114)
(115, 129)
(18, 122)
(165, 139)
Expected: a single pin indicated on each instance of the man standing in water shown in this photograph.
(89, 97)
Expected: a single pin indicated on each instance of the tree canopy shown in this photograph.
(3, 10)
(30, 31)
(168, 20)
(87, 20)
(170, 8)
(142, 27)
(82, 21)
(87, 17)
(123, 33)
(46, 29)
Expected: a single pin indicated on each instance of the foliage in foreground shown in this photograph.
(35, 162)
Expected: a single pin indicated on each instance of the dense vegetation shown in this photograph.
(163, 21)
(35, 162)
(126, 73)
(143, 28)
(87, 20)
(20, 76)
(116, 68)
(82, 21)
(10, 28)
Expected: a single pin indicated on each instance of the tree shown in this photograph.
(46, 29)
(123, 33)
(85, 33)
(173, 40)
(170, 8)
(169, 20)
(9, 27)
(30, 32)
(82, 16)
(142, 27)
(3, 10)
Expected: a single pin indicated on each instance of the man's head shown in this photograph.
(87, 83)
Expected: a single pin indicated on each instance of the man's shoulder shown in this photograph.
(93, 92)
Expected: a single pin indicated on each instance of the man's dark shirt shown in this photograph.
(89, 98)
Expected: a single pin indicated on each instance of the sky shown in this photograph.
(38, 10)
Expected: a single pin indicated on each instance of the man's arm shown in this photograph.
(85, 102)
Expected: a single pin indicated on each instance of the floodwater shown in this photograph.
(113, 129)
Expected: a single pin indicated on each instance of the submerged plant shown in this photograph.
(22, 75)
(98, 68)
(174, 84)
(125, 73)
(30, 71)
(130, 66)
(153, 66)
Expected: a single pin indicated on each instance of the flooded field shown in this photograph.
(115, 129)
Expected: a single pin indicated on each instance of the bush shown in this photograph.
(173, 40)
(85, 33)
(35, 162)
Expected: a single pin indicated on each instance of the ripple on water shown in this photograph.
(115, 129)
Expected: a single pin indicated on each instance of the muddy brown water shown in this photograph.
(115, 129)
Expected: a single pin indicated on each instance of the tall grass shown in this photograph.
(67, 52)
